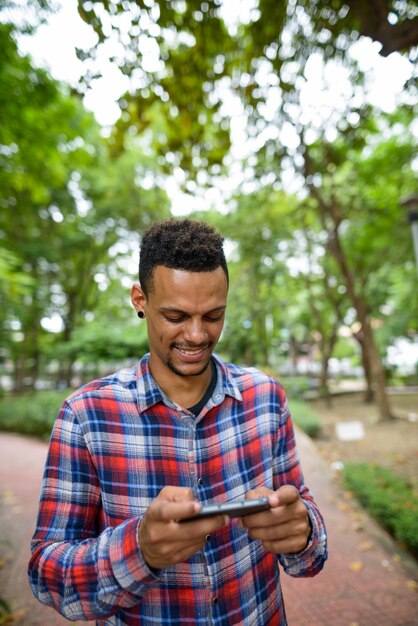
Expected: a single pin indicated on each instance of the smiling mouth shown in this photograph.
(191, 352)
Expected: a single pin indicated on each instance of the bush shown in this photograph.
(297, 386)
(305, 417)
(31, 414)
(390, 499)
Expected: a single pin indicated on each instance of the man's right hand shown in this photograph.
(163, 541)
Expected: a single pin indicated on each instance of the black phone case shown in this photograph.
(239, 508)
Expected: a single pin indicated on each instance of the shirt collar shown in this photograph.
(149, 393)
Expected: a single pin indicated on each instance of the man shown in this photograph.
(135, 454)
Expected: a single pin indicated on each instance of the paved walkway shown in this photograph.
(366, 581)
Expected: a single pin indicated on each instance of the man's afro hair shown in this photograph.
(184, 244)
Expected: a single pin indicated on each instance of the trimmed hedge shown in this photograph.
(390, 499)
(305, 417)
(34, 414)
(31, 414)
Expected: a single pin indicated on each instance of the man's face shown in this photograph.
(185, 315)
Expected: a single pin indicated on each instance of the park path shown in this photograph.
(367, 580)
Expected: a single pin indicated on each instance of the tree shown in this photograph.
(394, 25)
(358, 205)
(350, 215)
(260, 62)
(66, 203)
(199, 56)
(326, 304)
(259, 295)
(38, 141)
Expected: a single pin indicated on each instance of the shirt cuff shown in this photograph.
(128, 565)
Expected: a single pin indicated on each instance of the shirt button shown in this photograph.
(217, 397)
(200, 482)
(215, 600)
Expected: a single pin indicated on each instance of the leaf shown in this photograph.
(15, 617)
(356, 566)
(412, 584)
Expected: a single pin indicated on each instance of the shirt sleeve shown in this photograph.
(287, 471)
(83, 573)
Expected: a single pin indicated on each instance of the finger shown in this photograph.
(166, 511)
(263, 519)
(163, 554)
(277, 514)
(288, 494)
(183, 554)
(263, 492)
(259, 492)
(292, 528)
(203, 527)
(290, 545)
(176, 494)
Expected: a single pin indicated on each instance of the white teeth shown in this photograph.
(190, 351)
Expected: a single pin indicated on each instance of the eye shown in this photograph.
(214, 318)
(175, 320)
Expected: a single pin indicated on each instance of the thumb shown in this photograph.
(288, 494)
(263, 492)
(259, 492)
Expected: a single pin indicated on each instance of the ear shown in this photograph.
(138, 298)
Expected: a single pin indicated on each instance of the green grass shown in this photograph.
(305, 417)
(390, 499)
(31, 414)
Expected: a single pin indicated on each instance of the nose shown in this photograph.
(195, 331)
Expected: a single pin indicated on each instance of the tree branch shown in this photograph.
(373, 20)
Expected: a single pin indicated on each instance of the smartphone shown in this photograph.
(237, 508)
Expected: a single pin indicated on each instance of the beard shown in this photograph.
(178, 372)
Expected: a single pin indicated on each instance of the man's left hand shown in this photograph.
(285, 528)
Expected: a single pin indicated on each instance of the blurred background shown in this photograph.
(292, 127)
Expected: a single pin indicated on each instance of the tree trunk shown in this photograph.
(249, 357)
(323, 381)
(377, 373)
(67, 364)
(327, 348)
(365, 362)
(18, 374)
(331, 219)
(67, 373)
(293, 354)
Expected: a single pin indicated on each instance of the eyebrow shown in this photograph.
(172, 309)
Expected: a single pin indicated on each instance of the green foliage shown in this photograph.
(297, 386)
(104, 339)
(389, 498)
(305, 417)
(201, 54)
(177, 106)
(5, 611)
(65, 205)
(346, 348)
(31, 414)
(74, 205)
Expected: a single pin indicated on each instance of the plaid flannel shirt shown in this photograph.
(115, 444)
